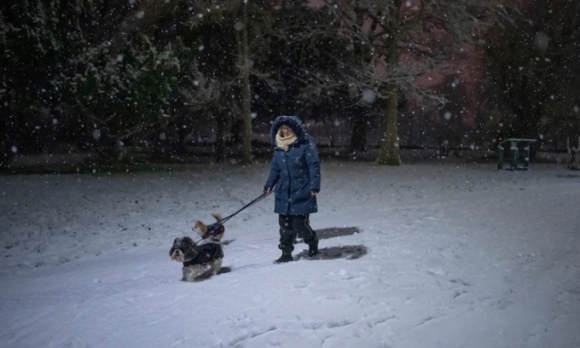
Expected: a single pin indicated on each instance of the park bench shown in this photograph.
(515, 145)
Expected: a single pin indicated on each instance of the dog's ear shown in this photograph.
(187, 241)
(176, 245)
(189, 248)
(200, 227)
(217, 217)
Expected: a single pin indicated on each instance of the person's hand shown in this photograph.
(267, 190)
(313, 193)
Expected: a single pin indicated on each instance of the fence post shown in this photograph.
(514, 155)
(526, 156)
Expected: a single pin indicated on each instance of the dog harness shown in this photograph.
(214, 230)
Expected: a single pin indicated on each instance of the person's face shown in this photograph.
(286, 131)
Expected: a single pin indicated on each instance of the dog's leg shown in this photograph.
(184, 271)
(215, 266)
(194, 272)
(190, 273)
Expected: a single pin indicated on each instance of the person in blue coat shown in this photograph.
(295, 180)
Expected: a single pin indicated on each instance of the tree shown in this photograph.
(313, 61)
(535, 87)
(406, 39)
(131, 95)
(234, 35)
(28, 65)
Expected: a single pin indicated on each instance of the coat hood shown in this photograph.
(291, 121)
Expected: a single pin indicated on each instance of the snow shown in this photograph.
(369, 96)
(448, 255)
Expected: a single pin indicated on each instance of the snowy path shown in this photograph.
(455, 257)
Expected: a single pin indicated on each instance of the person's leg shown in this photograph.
(287, 237)
(301, 224)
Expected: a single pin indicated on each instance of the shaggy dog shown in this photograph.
(203, 260)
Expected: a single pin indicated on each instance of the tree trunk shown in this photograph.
(245, 97)
(389, 151)
(8, 132)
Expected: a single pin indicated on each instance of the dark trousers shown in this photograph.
(292, 225)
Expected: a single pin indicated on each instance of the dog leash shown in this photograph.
(218, 227)
(256, 200)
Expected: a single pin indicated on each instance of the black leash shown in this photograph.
(218, 227)
(256, 200)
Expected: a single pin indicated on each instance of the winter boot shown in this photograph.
(313, 248)
(286, 257)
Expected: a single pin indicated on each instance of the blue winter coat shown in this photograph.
(294, 173)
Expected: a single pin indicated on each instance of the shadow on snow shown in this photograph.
(349, 252)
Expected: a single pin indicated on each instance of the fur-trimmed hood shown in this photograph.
(291, 121)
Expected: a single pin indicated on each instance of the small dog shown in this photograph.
(213, 232)
(203, 260)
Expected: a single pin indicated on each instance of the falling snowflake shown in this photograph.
(239, 26)
(97, 134)
(14, 149)
(369, 96)
(140, 14)
(542, 40)
(447, 115)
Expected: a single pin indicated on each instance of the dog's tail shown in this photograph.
(217, 217)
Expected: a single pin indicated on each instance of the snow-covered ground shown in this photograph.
(448, 255)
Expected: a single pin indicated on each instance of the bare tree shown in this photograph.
(138, 17)
(407, 39)
(246, 21)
